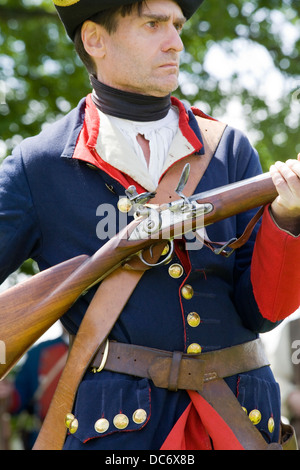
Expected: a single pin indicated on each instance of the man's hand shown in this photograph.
(286, 207)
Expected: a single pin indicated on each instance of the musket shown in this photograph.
(30, 308)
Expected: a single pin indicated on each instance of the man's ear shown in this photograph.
(92, 36)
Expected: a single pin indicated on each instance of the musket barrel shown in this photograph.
(238, 197)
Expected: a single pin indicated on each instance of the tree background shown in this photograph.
(241, 64)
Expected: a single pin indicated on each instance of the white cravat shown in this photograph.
(160, 135)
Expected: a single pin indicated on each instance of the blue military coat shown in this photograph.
(50, 208)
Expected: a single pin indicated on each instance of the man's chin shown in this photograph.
(165, 88)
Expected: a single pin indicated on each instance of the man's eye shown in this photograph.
(179, 28)
(152, 24)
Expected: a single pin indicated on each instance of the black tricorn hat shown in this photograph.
(74, 12)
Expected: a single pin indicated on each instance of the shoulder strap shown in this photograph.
(105, 309)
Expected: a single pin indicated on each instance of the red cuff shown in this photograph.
(275, 270)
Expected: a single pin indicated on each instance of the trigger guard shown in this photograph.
(165, 260)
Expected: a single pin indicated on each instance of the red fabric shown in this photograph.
(184, 125)
(49, 358)
(275, 273)
(198, 427)
(198, 112)
(15, 401)
(86, 147)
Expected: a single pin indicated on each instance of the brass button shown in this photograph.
(175, 271)
(193, 319)
(73, 426)
(124, 205)
(165, 250)
(271, 425)
(121, 421)
(255, 416)
(68, 419)
(139, 416)
(245, 409)
(101, 425)
(187, 292)
(194, 348)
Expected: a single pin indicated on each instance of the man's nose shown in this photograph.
(172, 40)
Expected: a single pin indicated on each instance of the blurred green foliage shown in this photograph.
(259, 70)
(241, 64)
(41, 76)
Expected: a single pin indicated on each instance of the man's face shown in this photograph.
(142, 56)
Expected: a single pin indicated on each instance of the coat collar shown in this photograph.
(104, 155)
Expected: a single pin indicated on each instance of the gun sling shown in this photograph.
(105, 309)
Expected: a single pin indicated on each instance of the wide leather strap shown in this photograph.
(224, 402)
(176, 370)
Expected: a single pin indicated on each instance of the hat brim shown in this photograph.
(74, 12)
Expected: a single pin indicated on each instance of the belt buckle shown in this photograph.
(104, 359)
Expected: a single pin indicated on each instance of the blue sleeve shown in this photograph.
(19, 228)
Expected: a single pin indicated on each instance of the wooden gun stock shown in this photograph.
(29, 309)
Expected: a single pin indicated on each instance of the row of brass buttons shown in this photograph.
(71, 423)
(120, 421)
(187, 292)
(255, 418)
(194, 320)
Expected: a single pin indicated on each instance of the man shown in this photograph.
(130, 131)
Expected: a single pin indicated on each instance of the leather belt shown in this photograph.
(177, 370)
